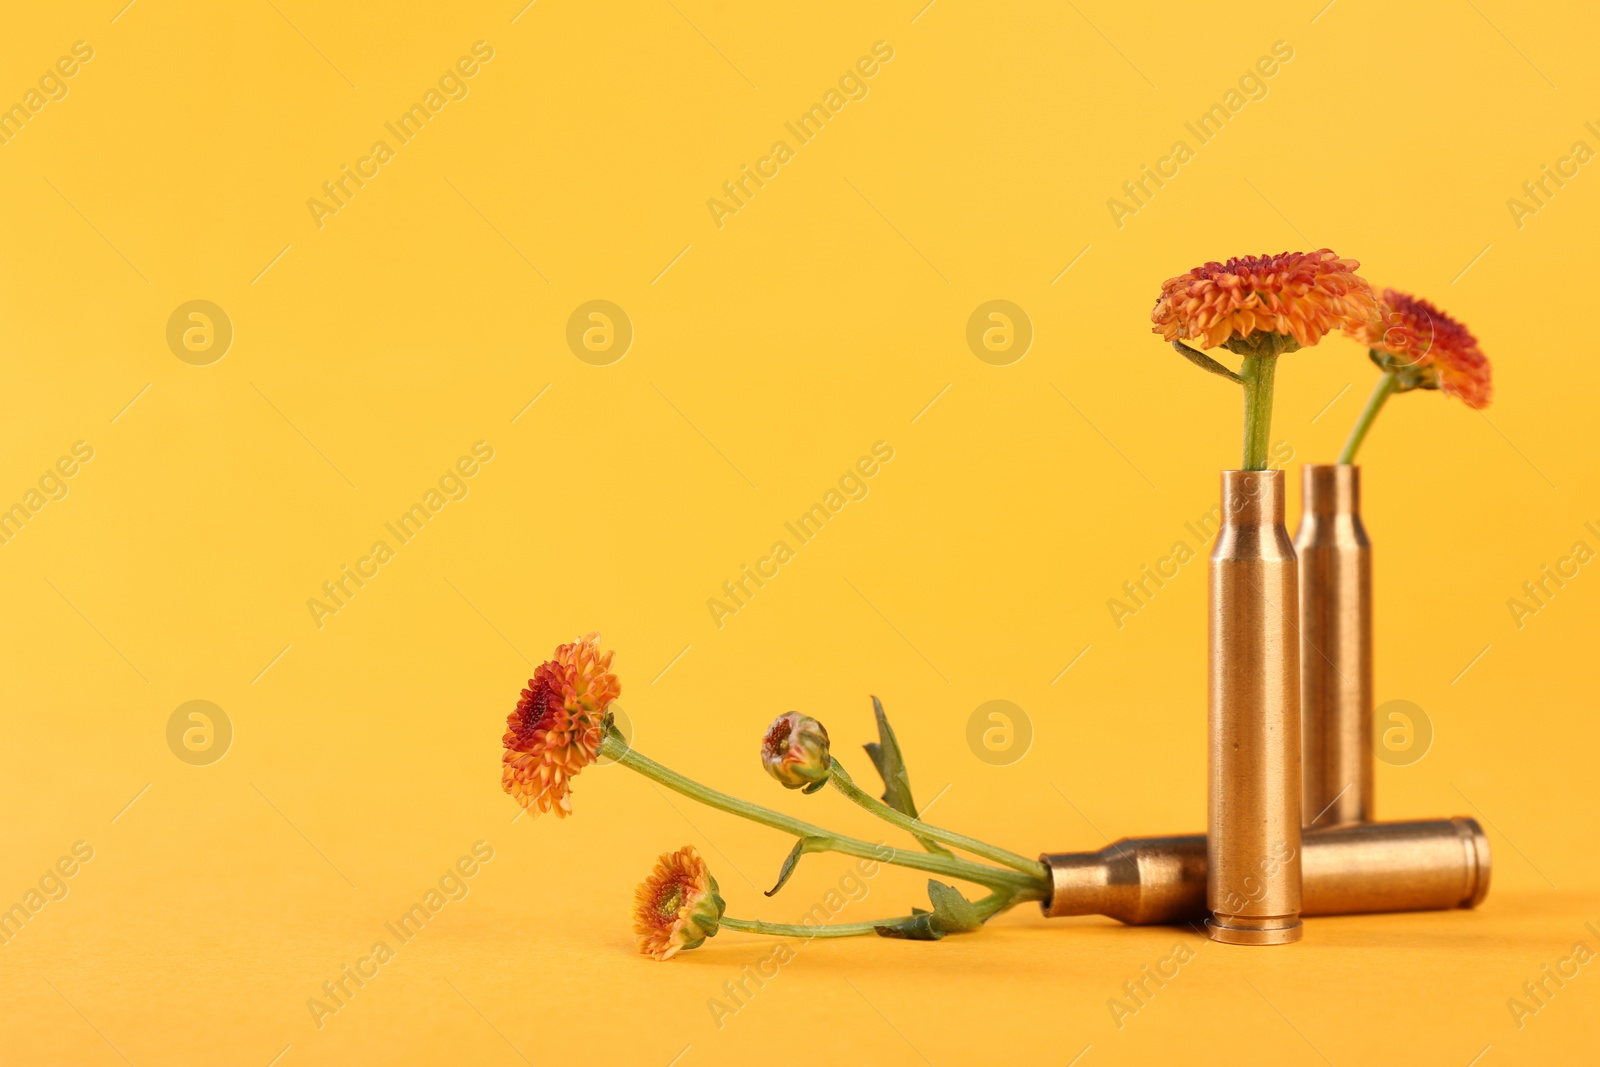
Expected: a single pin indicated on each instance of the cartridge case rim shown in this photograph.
(1274, 931)
(1476, 843)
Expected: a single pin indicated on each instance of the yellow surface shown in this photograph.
(372, 351)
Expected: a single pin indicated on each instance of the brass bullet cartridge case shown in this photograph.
(1335, 561)
(1253, 788)
(1426, 865)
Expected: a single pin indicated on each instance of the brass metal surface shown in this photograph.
(1253, 795)
(1396, 866)
(1335, 560)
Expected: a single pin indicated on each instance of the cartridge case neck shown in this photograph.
(1252, 498)
(1329, 490)
(1079, 884)
(1136, 880)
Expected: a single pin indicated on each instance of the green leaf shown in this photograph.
(916, 928)
(952, 911)
(952, 914)
(885, 755)
(1206, 363)
(801, 847)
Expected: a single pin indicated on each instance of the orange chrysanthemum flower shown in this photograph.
(1299, 296)
(558, 726)
(677, 907)
(1426, 348)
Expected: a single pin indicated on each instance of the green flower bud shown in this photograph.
(795, 752)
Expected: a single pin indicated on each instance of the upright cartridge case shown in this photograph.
(1253, 790)
(1335, 560)
(1395, 866)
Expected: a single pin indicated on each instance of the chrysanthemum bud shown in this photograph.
(677, 907)
(795, 752)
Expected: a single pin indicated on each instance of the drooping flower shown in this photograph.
(795, 752)
(1426, 348)
(557, 727)
(1297, 296)
(677, 906)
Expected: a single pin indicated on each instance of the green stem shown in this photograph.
(846, 785)
(1023, 887)
(992, 905)
(756, 926)
(1384, 389)
(1258, 373)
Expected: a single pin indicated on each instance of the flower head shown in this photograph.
(677, 906)
(1263, 305)
(558, 725)
(1425, 348)
(795, 752)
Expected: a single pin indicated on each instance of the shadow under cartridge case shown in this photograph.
(1427, 865)
(1335, 561)
(1253, 787)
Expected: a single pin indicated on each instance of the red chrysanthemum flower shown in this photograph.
(1295, 295)
(677, 906)
(1426, 348)
(558, 726)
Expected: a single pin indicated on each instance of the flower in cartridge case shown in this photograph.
(1415, 346)
(1258, 307)
(677, 906)
(1426, 349)
(557, 727)
(1296, 296)
(795, 752)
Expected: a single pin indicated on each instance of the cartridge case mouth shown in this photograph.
(1255, 930)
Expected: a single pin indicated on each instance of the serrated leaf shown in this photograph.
(801, 847)
(953, 912)
(891, 765)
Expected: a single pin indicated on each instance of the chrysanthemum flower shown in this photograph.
(1426, 348)
(677, 906)
(1298, 296)
(558, 726)
(795, 752)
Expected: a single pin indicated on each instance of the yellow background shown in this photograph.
(768, 355)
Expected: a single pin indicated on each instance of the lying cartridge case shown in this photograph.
(1253, 788)
(1426, 865)
(1335, 560)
